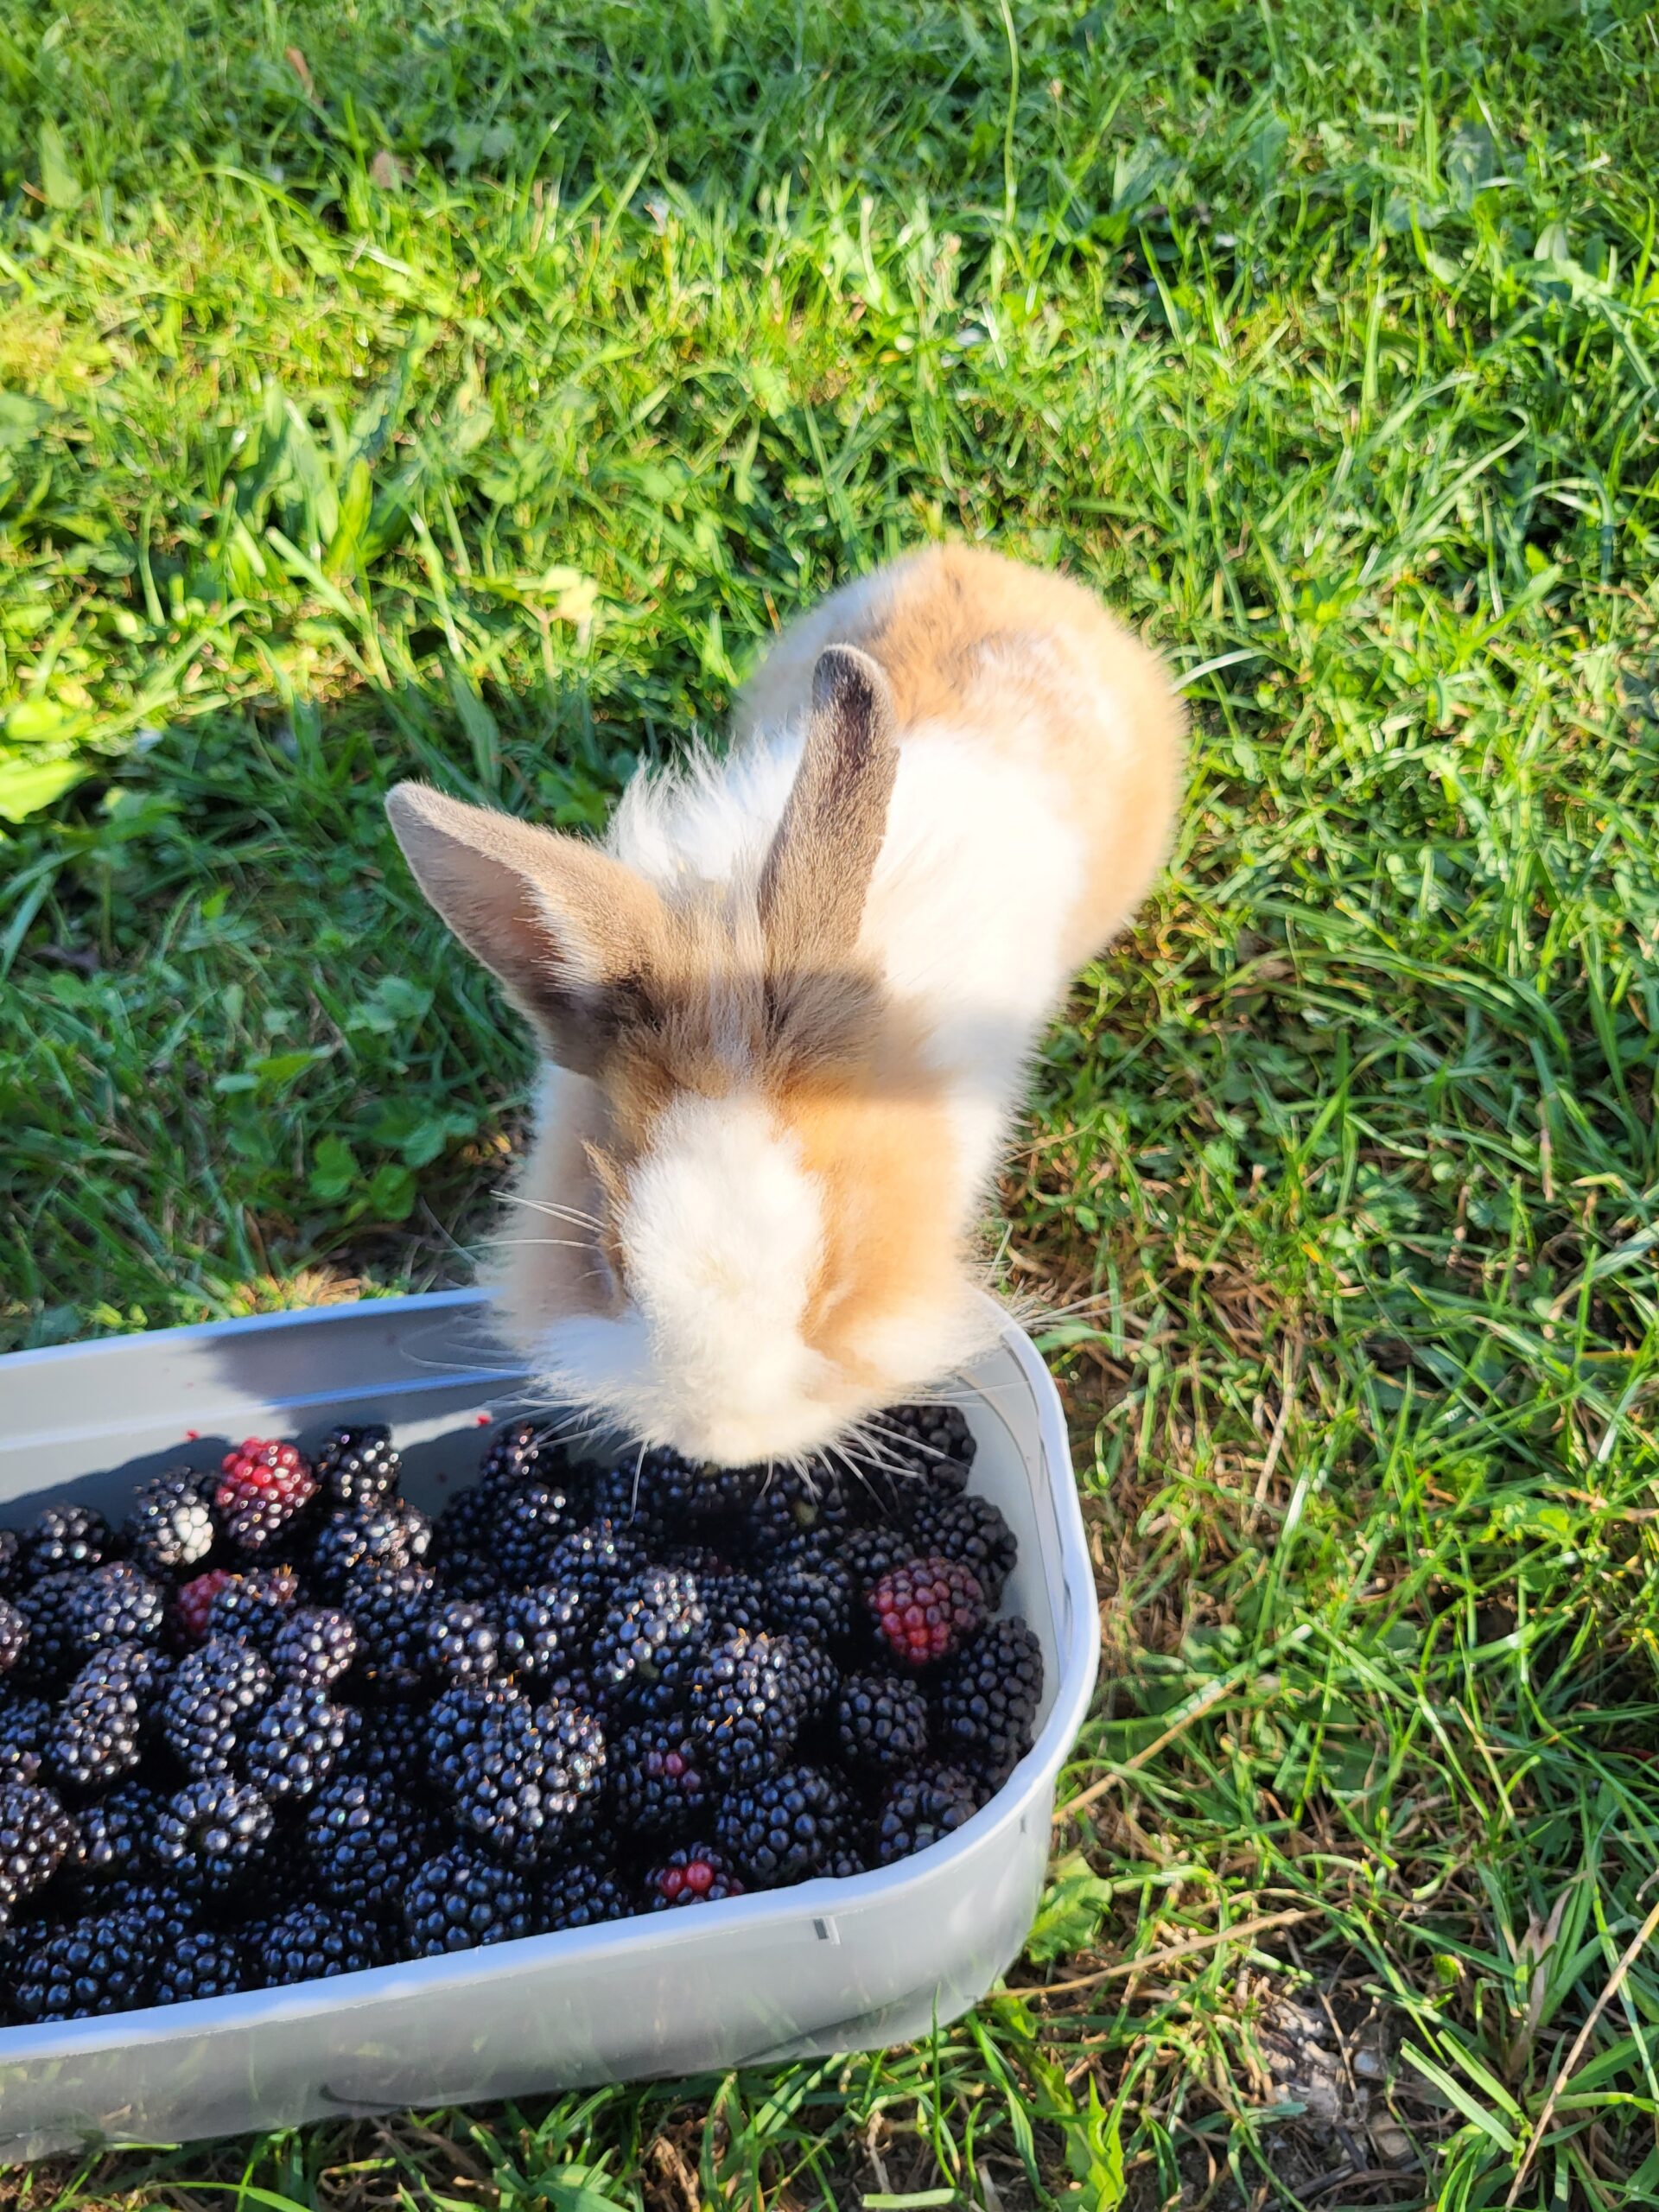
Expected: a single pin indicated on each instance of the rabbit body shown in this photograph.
(788, 1007)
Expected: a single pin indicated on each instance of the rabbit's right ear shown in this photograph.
(570, 932)
(817, 873)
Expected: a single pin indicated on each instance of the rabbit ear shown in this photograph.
(570, 932)
(817, 873)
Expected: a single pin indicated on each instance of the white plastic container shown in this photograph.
(824, 1968)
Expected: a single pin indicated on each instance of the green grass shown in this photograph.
(465, 390)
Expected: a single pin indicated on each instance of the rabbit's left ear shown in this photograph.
(817, 874)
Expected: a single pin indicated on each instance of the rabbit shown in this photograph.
(786, 1007)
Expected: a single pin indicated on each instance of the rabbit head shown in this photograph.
(740, 1228)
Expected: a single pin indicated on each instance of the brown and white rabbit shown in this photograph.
(787, 1006)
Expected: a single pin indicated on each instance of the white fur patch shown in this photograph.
(721, 1236)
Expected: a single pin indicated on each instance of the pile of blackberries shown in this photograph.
(279, 1724)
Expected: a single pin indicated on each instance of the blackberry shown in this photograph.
(926, 1610)
(881, 1723)
(65, 1536)
(365, 1842)
(385, 1532)
(388, 1607)
(736, 1599)
(578, 1895)
(169, 1525)
(92, 1966)
(192, 1601)
(36, 1836)
(588, 1568)
(116, 1604)
(311, 1942)
(161, 1905)
(463, 1545)
(815, 1677)
(115, 1835)
(516, 1449)
(933, 1442)
(784, 1828)
(652, 1635)
(200, 1964)
(661, 1780)
(393, 1745)
(745, 1705)
(13, 1636)
(868, 1553)
(456, 1720)
(463, 1644)
(988, 1699)
(213, 1836)
(52, 1648)
(920, 1807)
(796, 1501)
(211, 1703)
(661, 1493)
(354, 1464)
(529, 1525)
(297, 1742)
(844, 1861)
(971, 1529)
(811, 1594)
(251, 1608)
(541, 1631)
(97, 1735)
(315, 1644)
(25, 1723)
(263, 1489)
(460, 1899)
(694, 1874)
(11, 1560)
(526, 1775)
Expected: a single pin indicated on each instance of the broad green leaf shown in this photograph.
(333, 1167)
(1071, 1913)
(26, 787)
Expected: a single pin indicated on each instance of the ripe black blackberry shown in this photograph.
(528, 1526)
(662, 1781)
(868, 1553)
(213, 1836)
(745, 1705)
(170, 1526)
(386, 1532)
(784, 1828)
(926, 1610)
(970, 1528)
(457, 1719)
(463, 1642)
(13, 1636)
(104, 1963)
(541, 1631)
(796, 1502)
(116, 1604)
(463, 1897)
(929, 1803)
(311, 1942)
(65, 1536)
(365, 1842)
(660, 1495)
(580, 1894)
(208, 1712)
(394, 1745)
(988, 1699)
(356, 1464)
(157, 1900)
(516, 1449)
(695, 1874)
(25, 1724)
(811, 1593)
(388, 1607)
(588, 1568)
(297, 1742)
(881, 1723)
(99, 1732)
(844, 1861)
(528, 1776)
(11, 1560)
(815, 1677)
(36, 1836)
(736, 1599)
(204, 1963)
(115, 1835)
(653, 1634)
(463, 1543)
(315, 1644)
(52, 1650)
(251, 1608)
(263, 1490)
(934, 1442)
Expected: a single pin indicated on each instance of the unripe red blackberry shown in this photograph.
(264, 1485)
(926, 1610)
